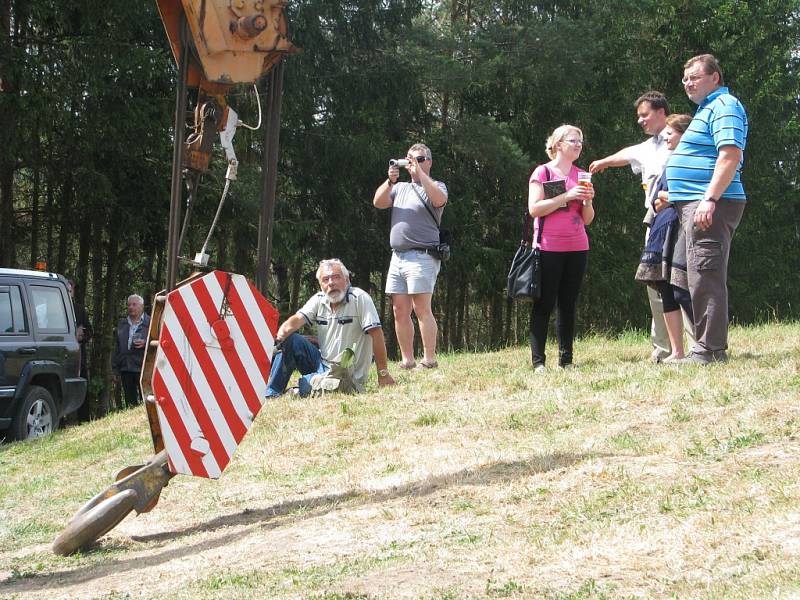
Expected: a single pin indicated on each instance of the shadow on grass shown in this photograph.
(287, 513)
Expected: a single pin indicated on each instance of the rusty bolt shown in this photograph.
(250, 27)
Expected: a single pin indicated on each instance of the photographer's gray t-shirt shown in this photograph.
(412, 225)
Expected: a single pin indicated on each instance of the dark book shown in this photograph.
(554, 188)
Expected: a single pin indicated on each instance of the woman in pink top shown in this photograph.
(564, 244)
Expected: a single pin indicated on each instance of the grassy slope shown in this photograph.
(619, 479)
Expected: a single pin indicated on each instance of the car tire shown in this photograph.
(88, 526)
(37, 415)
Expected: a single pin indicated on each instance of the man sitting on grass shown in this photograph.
(345, 318)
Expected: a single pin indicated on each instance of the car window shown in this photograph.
(49, 310)
(12, 317)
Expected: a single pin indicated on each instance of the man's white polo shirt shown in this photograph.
(649, 158)
(345, 327)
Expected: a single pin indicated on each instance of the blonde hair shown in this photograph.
(558, 135)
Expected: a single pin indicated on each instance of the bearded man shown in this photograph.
(344, 317)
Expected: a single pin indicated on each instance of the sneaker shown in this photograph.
(702, 358)
(424, 364)
(539, 369)
(694, 358)
(568, 367)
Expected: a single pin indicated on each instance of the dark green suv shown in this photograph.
(39, 354)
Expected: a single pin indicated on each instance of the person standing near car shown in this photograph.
(83, 333)
(417, 208)
(83, 328)
(126, 364)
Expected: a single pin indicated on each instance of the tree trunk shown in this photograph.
(281, 274)
(34, 248)
(496, 321)
(159, 276)
(65, 226)
(8, 129)
(7, 248)
(48, 214)
(297, 280)
(507, 333)
(462, 324)
(98, 356)
(82, 268)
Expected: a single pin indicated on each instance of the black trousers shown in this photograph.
(674, 298)
(562, 276)
(130, 387)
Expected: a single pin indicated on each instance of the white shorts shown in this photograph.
(412, 272)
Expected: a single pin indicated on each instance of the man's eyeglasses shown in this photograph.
(421, 159)
(575, 142)
(692, 78)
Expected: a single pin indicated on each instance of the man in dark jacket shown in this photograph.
(131, 338)
(83, 333)
(83, 328)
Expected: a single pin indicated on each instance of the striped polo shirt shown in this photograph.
(720, 120)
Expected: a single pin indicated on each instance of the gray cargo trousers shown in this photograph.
(707, 261)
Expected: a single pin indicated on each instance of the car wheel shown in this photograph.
(88, 526)
(37, 415)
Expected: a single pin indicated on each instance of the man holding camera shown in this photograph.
(417, 208)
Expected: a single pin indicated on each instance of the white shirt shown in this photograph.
(648, 158)
(346, 326)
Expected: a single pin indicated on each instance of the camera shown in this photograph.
(398, 162)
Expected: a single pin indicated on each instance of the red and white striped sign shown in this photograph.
(211, 369)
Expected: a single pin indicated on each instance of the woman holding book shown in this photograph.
(562, 209)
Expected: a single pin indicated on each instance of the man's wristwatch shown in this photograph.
(712, 199)
(383, 372)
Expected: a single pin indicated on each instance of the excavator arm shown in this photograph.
(232, 41)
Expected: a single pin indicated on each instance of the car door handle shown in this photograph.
(26, 351)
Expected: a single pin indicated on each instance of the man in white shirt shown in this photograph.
(344, 317)
(648, 159)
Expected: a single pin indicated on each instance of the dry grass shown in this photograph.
(621, 479)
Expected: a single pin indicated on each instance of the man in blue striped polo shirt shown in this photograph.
(703, 175)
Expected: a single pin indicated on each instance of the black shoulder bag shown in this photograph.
(442, 249)
(525, 274)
